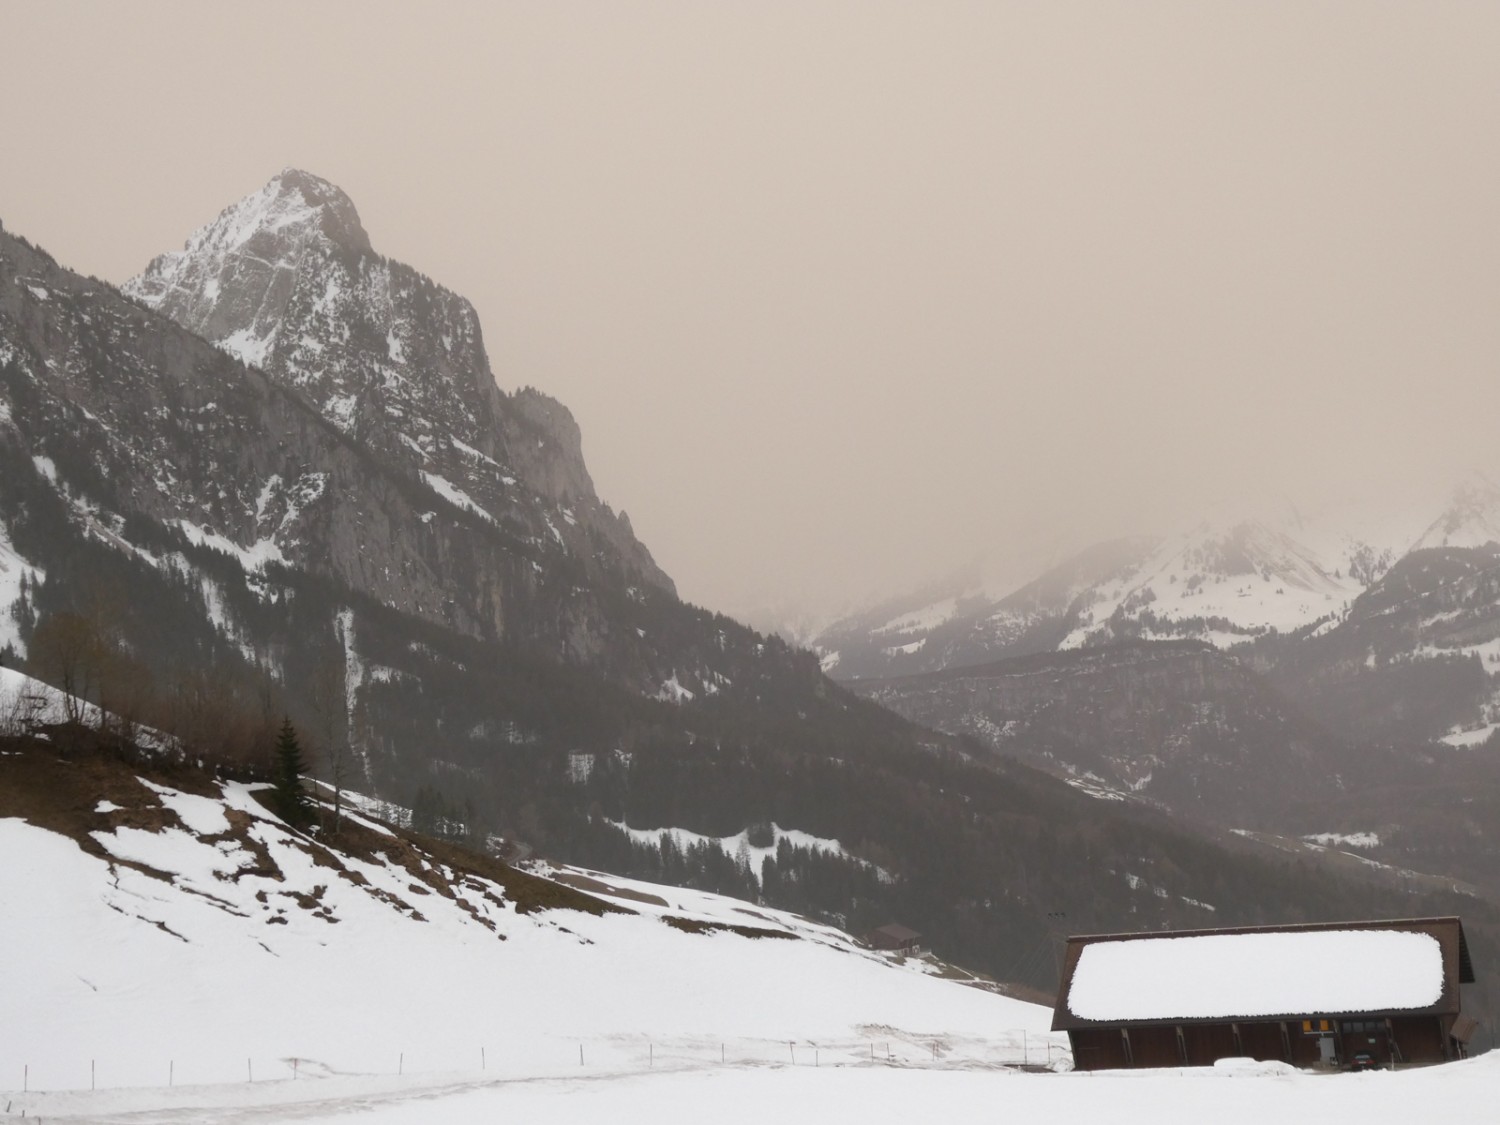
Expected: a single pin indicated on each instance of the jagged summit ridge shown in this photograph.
(286, 280)
(252, 250)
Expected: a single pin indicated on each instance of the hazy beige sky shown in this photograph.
(846, 294)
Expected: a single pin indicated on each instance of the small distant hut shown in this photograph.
(1308, 995)
(894, 937)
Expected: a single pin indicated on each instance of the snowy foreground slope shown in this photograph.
(164, 928)
(263, 955)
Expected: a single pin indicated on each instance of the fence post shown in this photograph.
(249, 1072)
(92, 1086)
(401, 1063)
(171, 1067)
(481, 1059)
(580, 1054)
(792, 1047)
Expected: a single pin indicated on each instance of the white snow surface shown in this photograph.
(1253, 576)
(235, 965)
(737, 846)
(455, 495)
(1258, 974)
(815, 1089)
(12, 567)
(252, 558)
(921, 620)
(247, 347)
(1466, 739)
(1345, 839)
(672, 691)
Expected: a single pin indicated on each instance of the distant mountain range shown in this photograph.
(1281, 678)
(1224, 584)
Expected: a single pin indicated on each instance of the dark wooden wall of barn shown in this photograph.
(1417, 1039)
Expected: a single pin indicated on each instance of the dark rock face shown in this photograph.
(286, 281)
(136, 418)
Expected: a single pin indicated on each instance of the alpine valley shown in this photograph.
(1290, 678)
(274, 473)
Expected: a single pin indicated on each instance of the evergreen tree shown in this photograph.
(291, 800)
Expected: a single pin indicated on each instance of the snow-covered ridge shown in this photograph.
(289, 212)
(1221, 585)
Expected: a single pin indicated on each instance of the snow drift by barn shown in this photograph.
(1309, 995)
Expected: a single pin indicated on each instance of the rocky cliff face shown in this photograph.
(286, 280)
(132, 418)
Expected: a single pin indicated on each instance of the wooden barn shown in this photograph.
(1310, 995)
(894, 937)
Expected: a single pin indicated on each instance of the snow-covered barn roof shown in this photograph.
(1412, 966)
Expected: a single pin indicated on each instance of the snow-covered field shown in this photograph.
(751, 1094)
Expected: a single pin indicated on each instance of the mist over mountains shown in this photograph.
(1293, 678)
(275, 475)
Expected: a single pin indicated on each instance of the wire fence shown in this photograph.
(559, 1057)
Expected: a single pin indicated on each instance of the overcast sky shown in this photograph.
(845, 295)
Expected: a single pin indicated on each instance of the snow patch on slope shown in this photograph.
(12, 569)
(251, 558)
(456, 496)
(738, 847)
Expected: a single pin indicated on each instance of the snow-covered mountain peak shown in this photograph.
(1219, 582)
(1472, 518)
(233, 277)
(285, 280)
(326, 202)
